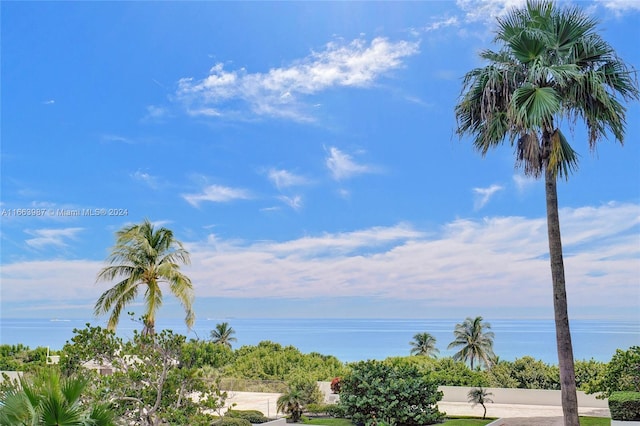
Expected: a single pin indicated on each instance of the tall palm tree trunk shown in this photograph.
(563, 333)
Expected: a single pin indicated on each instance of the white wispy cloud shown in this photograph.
(295, 201)
(281, 91)
(494, 262)
(342, 165)
(442, 23)
(524, 182)
(51, 237)
(284, 179)
(620, 7)
(487, 10)
(483, 195)
(217, 194)
(49, 102)
(146, 178)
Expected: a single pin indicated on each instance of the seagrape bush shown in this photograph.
(272, 361)
(401, 394)
(443, 371)
(621, 374)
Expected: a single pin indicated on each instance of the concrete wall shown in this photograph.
(522, 396)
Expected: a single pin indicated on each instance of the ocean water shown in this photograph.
(360, 339)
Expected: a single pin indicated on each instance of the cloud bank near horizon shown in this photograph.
(494, 261)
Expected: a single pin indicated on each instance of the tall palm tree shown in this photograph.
(424, 344)
(552, 65)
(475, 340)
(223, 334)
(145, 257)
(52, 400)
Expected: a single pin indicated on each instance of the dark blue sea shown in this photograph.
(360, 339)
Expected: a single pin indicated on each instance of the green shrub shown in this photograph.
(232, 421)
(376, 391)
(625, 406)
(333, 410)
(253, 416)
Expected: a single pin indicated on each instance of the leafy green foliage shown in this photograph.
(622, 373)
(22, 358)
(152, 375)
(401, 394)
(625, 406)
(272, 361)
(252, 416)
(291, 403)
(50, 399)
(525, 373)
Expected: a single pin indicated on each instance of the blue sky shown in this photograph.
(305, 154)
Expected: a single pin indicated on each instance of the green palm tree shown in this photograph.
(479, 396)
(475, 340)
(223, 334)
(552, 65)
(424, 344)
(291, 403)
(52, 400)
(145, 257)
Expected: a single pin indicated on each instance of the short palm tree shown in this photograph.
(424, 344)
(475, 342)
(291, 403)
(223, 334)
(145, 257)
(51, 400)
(552, 65)
(480, 396)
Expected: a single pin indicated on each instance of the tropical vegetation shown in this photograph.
(551, 65)
(144, 257)
(475, 342)
(480, 396)
(375, 391)
(223, 334)
(424, 344)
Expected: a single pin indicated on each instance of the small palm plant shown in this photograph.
(291, 403)
(52, 400)
(480, 396)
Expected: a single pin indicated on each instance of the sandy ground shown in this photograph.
(509, 414)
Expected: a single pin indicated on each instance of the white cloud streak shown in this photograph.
(483, 195)
(284, 179)
(342, 166)
(494, 262)
(280, 91)
(217, 194)
(51, 237)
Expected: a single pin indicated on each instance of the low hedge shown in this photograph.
(625, 406)
(333, 410)
(232, 421)
(252, 416)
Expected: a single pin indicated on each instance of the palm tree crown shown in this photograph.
(145, 257)
(475, 340)
(424, 344)
(552, 65)
(223, 334)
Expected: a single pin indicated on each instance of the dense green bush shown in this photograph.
(622, 374)
(444, 371)
(253, 416)
(625, 406)
(333, 410)
(401, 394)
(22, 358)
(232, 421)
(272, 361)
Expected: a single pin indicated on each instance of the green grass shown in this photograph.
(584, 421)
(467, 422)
(329, 421)
(595, 421)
